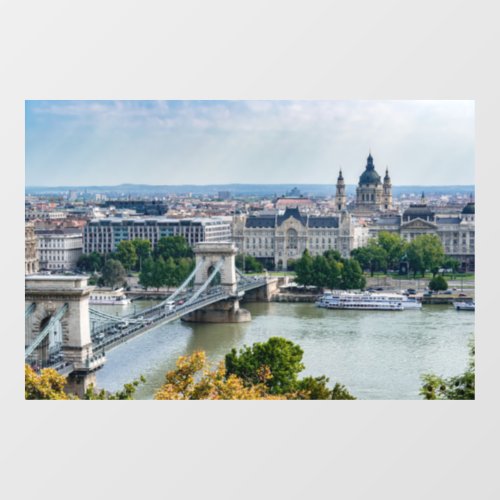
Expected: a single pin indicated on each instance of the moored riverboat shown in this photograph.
(464, 306)
(109, 297)
(367, 301)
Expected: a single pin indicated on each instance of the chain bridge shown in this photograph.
(64, 333)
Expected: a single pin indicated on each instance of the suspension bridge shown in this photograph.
(64, 333)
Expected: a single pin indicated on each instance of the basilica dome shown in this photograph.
(370, 175)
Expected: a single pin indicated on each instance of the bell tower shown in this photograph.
(387, 191)
(340, 196)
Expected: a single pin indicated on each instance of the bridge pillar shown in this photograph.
(49, 293)
(224, 311)
(209, 255)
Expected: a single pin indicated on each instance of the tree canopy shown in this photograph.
(113, 273)
(458, 387)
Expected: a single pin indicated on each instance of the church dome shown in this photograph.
(369, 176)
(470, 208)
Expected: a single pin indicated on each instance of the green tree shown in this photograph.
(425, 252)
(280, 356)
(91, 262)
(173, 246)
(184, 267)
(160, 273)
(126, 254)
(438, 283)
(332, 255)
(394, 246)
(459, 387)
(352, 275)
(142, 250)
(304, 269)
(334, 279)
(146, 274)
(248, 263)
(451, 263)
(320, 271)
(313, 388)
(371, 257)
(113, 273)
(339, 391)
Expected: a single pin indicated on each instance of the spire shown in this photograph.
(387, 178)
(422, 198)
(340, 178)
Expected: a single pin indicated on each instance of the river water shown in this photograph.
(375, 354)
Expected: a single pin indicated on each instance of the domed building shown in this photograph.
(372, 194)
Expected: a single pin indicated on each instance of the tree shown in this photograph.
(371, 257)
(280, 356)
(142, 250)
(126, 254)
(248, 263)
(173, 246)
(185, 266)
(340, 392)
(451, 263)
(91, 262)
(161, 274)
(425, 252)
(459, 387)
(192, 379)
(304, 269)
(394, 246)
(48, 384)
(320, 273)
(113, 273)
(438, 283)
(146, 275)
(352, 275)
(313, 388)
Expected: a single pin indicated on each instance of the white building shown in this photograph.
(59, 249)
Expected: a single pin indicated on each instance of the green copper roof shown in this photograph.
(370, 175)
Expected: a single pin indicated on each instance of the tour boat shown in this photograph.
(464, 306)
(367, 301)
(109, 297)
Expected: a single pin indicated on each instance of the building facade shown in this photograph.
(59, 249)
(104, 235)
(31, 261)
(276, 239)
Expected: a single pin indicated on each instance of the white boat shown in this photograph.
(366, 301)
(465, 306)
(109, 297)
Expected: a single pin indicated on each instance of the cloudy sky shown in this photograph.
(218, 142)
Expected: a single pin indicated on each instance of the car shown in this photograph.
(447, 292)
(462, 295)
(379, 289)
(411, 290)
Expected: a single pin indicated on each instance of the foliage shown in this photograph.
(329, 270)
(352, 275)
(339, 391)
(438, 283)
(248, 263)
(127, 392)
(303, 269)
(459, 387)
(91, 262)
(192, 379)
(451, 263)
(113, 273)
(146, 275)
(126, 254)
(46, 385)
(313, 388)
(371, 257)
(51, 385)
(280, 356)
(425, 252)
(173, 246)
(394, 246)
(142, 250)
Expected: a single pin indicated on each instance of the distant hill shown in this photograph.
(239, 189)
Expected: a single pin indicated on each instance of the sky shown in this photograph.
(76, 143)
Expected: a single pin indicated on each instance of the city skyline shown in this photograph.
(77, 143)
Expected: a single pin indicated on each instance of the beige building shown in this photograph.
(276, 239)
(31, 262)
(59, 249)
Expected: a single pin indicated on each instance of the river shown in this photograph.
(375, 354)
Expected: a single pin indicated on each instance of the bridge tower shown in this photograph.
(210, 257)
(65, 300)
